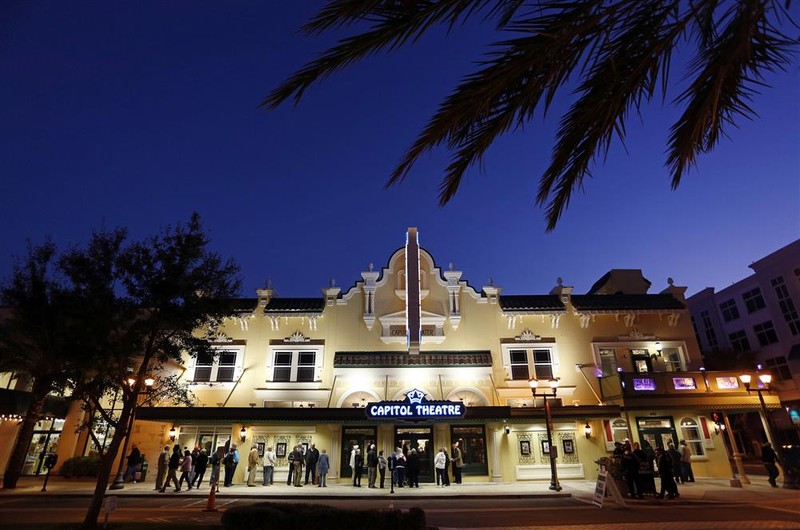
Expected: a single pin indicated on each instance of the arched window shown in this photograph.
(619, 430)
(690, 431)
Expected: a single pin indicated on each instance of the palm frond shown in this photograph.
(726, 74)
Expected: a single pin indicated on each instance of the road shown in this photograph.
(448, 513)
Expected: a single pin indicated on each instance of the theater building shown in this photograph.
(414, 356)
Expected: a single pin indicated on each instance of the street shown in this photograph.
(452, 513)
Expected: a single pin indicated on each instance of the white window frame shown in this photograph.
(296, 350)
(237, 368)
(529, 352)
(697, 445)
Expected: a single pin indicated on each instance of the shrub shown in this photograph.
(300, 516)
(80, 466)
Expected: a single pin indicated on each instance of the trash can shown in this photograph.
(791, 466)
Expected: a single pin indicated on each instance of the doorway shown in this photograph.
(657, 431)
(352, 437)
(421, 440)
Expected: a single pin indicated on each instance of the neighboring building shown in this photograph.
(760, 314)
(351, 368)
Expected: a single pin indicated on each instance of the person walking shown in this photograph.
(458, 463)
(686, 462)
(446, 475)
(216, 463)
(172, 469)
(134, 460)
(162, 463)
(252, 466)
(440, 463)
(358, 464)
(382, 464)
(323, 465)
(412, 468)
(372, 466)
(665, 472)
(200, 467)
(230, 462)
(770, 459)
(269, 466)
(298, 466)
(186, 471)
(195, 458)
(312, 457)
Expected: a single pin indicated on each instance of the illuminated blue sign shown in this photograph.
(414, 408)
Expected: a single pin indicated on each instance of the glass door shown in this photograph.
(362, 437)
(657, 432)
(421, 440)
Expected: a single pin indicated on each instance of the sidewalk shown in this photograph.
(704, 490)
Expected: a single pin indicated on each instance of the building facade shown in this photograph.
(413, 356)
(759, 315)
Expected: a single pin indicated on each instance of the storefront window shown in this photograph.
(472, 441)
(45, 440)
(619, 430)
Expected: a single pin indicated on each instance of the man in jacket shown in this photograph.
(312, 457)
(372, 466)
(358, 463)
(172, 469)
(200, 468)
(134, 459)
(686, 462)
(769, 458)
(163, 462)
(298, 466)
(252, 466)
(412, 469)
(231, 462)
(458, 463)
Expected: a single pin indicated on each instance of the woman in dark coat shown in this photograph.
(665, 472)
(412, 468)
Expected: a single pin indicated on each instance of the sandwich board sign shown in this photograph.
(605, 486)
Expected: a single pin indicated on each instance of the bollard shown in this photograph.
(212, 498)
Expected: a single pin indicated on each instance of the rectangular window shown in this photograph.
(729, 310)
(295, 366)
(779, 367)
(739, 341)
(708, 327)
(608, 361)
(753, 300)
(525, 362)
(542, 364)
(765, 333)
(672, 360)
(787, 305)
(519, 365)
(218, 366)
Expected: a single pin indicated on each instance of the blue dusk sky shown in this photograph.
(136, 114)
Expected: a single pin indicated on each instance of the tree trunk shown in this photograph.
(106, 465)
(17, 460)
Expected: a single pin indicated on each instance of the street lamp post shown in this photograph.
(766, 421)
(119, 480)
(548, 418)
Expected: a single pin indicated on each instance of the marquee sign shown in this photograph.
(414, 408)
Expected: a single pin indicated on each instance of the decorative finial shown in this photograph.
(451, 265)
(268, 284)
(370, 266)
(670, 281)
(491, 281)
(333, 282)
(560, 281)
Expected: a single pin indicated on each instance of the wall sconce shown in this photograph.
(173, 433)
(507, 429)
(243, 434)
(587, 430)
(658, 350)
